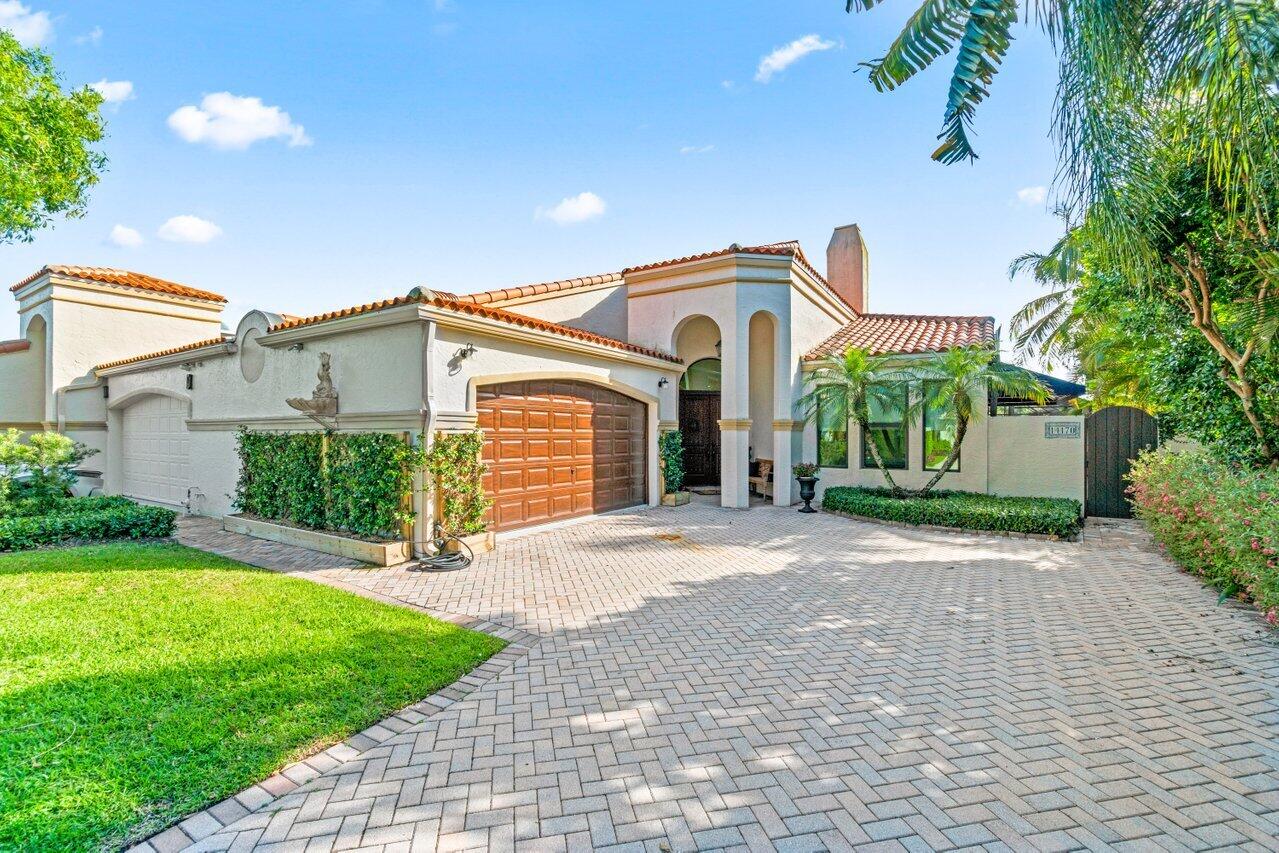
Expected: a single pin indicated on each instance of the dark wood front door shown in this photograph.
(699, 424)
(557, 449)
(1112, 439)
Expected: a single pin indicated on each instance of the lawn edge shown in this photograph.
(207, 822)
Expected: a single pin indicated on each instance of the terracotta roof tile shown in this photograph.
(450, 302)
(170, 351)
(19, 345)
(504, 294)
(907, 334)
(124, 278)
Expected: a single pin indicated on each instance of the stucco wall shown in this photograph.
(1024, 462)
(601, 310)
(762, 369)
(22, 385)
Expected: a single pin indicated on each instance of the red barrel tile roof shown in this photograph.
(906, 333)
(124, 278)
(450, 302)
(20, 345)
(208, 342)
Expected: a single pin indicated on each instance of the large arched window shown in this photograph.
(702, 375)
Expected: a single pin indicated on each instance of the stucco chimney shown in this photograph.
(848, 266)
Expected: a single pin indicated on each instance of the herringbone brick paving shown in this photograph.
(765, 679)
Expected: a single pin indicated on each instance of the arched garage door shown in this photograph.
(156, 450)
(559, 449)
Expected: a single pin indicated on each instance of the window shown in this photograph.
(832, 431)
(702, 375)
(939, 430)
(887, 429)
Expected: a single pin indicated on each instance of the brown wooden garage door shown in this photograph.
(558, 449)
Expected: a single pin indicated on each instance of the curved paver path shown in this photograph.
(808, 682)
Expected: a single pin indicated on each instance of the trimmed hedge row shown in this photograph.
(67, 506)
(1218, 522)
(105, 518)
(356, 482)
(964, 510)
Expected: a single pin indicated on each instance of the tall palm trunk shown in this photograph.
(961, 429)
(879, 462)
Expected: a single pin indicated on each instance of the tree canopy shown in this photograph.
(47, 162)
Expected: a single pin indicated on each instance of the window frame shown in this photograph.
(923, 425)
(818, 425)
(683, 378)
(868, 463)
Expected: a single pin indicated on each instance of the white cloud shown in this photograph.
(93, 36)
(697, 149)
(1031, 196)
(188, 229)
(787, 55)
(29, 28)
(578, 208)
(113, 91)
(125, 237)
(224, 120)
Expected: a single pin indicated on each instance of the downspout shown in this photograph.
(423, 532)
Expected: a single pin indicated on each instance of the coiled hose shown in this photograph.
(445, 559)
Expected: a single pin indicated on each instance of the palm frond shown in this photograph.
(987, 35)
(929, 33)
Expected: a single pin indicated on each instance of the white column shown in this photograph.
(786, 376)
(783, 444)
(735, 422)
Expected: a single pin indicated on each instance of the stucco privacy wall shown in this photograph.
(1024, 461)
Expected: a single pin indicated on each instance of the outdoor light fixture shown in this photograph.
(190, 381)
(663, 382)
(466, 352)
(719, 347)
(295, 347)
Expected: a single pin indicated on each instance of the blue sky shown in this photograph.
(431, 143)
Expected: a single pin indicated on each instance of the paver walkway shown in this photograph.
(710, 678)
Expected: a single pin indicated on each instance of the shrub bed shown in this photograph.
(964, 510)
(1217, 522)
(353, 482)
(85, 519)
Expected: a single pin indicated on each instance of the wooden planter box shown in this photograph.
(676, 498)
(479, 543)
(377, 553)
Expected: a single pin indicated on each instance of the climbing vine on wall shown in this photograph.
(356, 482)
(670, 449)
(456, 471)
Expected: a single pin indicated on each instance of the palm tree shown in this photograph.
(1043, 325)
(1207, 67)
(963, 376)
(844, 387)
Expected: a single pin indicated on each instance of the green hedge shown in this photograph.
(1218, 522)
(78, 521)
(66, 506)
(354, 482)
(966, 510)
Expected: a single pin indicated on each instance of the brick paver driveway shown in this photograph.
(765, 678)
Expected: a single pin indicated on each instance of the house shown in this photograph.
(572, 381)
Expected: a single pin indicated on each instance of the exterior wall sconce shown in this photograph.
(190, 381)
(466, 352)
(106, 392)
(663, 382)
(719, 347)
(297, 347)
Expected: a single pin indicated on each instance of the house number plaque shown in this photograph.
(1062, 429)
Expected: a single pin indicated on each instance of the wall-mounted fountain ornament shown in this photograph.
(323, 400)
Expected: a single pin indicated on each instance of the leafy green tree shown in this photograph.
(1042, 326)
(47, 163)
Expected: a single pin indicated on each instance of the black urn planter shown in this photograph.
(807, 491)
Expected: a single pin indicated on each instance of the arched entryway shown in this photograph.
(154, 447)
(697, 342)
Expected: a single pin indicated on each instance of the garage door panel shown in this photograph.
(156, 450)
(569, 448)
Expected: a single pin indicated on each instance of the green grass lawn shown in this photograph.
(141, 682)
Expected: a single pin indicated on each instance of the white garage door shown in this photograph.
(157, 450)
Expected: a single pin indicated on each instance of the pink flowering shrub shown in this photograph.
(1217, 522)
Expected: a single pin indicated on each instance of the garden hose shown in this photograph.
(445, 560)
